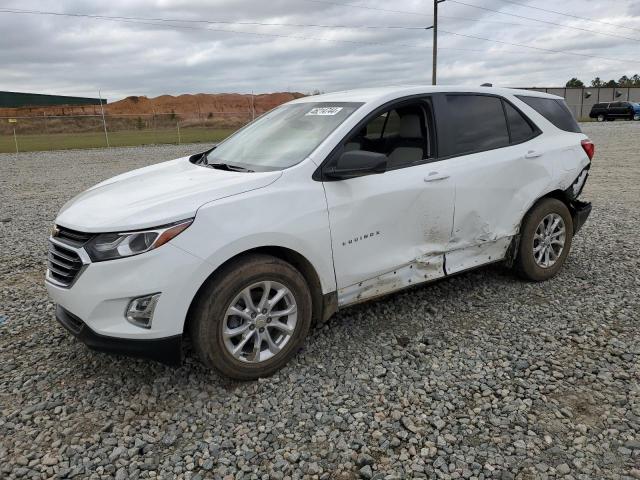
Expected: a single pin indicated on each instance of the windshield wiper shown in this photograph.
(230, 168)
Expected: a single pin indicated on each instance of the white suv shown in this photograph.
(321, 203)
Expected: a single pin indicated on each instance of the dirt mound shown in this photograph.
(198, 105)
(201, 103)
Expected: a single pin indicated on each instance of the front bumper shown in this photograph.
(101, 293)
(165, 350)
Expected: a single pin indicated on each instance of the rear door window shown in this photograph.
(554, 110)
(478, 123)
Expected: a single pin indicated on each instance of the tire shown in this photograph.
(219, 295)
(528, 263)
(601, 118)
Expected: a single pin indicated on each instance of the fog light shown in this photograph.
(140, 310)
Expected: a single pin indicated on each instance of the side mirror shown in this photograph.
(357, 163)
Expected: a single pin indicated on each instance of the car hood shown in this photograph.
(155, 195)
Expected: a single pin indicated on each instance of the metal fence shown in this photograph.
(90, 130)
(53, 132)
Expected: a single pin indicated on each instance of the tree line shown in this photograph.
(623, 81)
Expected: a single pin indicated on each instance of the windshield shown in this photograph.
(283, 137)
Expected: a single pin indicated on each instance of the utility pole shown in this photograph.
(253, 109)
(104, 123)
(435, 41)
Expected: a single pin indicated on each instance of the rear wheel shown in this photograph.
(545, 241)
(601, 118)
(252, 317)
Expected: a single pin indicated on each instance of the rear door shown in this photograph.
(497, 163)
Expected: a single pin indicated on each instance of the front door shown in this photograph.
(390, 230)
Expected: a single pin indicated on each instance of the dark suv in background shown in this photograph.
(613, 110)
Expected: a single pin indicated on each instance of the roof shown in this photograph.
(366, 95)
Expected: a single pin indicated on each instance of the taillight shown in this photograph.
(588, 147)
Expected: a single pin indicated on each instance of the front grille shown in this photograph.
(64, 264)
(72, 237)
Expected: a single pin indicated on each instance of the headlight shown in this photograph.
(108, 246)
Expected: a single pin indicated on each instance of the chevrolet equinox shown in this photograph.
(320, 203)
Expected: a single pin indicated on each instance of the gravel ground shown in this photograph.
(477, 376)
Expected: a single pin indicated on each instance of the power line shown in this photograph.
(264, 24)
(165, 24)
(560, 25)
(547, 22)
(570, 15)
(148, 21)
(296, 25)
(213, 22)
(141, 21)
(537, 48)
(407, 12)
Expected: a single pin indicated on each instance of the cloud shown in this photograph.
(76, 56)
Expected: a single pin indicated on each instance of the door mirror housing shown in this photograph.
(357, 163)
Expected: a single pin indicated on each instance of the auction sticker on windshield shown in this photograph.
(324, 111)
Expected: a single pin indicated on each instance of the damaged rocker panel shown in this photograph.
(423, 269)
(474, 256)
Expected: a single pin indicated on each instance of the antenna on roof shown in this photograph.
(487, 85)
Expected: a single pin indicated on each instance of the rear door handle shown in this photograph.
(532, 154)
(434, 176)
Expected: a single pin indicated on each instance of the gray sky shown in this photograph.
(76, 56)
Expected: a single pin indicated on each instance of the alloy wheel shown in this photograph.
(260, 321)
(548, 240)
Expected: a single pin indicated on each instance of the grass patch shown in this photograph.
(64, 141)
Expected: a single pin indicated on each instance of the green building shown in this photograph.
(17, 99)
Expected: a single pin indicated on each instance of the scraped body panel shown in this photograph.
(424, 269)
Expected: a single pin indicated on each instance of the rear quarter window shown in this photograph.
(519, 127)
(554, 110)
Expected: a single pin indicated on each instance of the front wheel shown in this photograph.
(545, 241)
(601, 118)
(252, 317)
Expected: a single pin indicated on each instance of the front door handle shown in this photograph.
(434, 176)
(532, 154)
